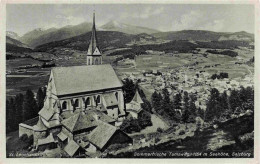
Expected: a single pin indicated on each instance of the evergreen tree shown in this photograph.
(40, 99)
(10, 113)
(19, 115)
(192, 108)
(225, 107)
(129, 90)
(166, 103)
(234, 100)
(30, 106)
(213, 110)
(177, 101)
(186, 100)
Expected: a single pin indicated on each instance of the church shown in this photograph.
(83, 108)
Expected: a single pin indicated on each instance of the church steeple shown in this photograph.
(93, 55)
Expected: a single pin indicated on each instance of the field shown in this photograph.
(34, 78)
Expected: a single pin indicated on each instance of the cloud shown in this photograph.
(197, 20)
(144, 13)
(187, 21)
(61, 21)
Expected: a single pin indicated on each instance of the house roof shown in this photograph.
(110, 99)
(134, 107)
(71, 148)
(101, 134)
(85, 120)
(39, 126)
(62, 136)
(46, 113)
(137, 98)
(46, 140)
(80, 79)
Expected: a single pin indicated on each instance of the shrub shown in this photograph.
(181, 132)
(160, 130)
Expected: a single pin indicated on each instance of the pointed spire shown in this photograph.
(137, 98)
(93, 41)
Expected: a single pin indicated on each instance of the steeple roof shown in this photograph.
(137, 98)
(93, 42)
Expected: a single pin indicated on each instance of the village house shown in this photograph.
(83, 108)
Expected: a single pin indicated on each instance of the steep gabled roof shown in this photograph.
(93, 47)
(62, 136)
(85, 120)
(46, 140)
(101, 134)
(80, 79)
(39, 126)
(46, 113)
(71, 148)
(137, 98)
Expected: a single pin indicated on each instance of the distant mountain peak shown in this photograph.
(115, 25)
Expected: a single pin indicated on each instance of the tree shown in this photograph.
(186, 101)
(225, 107)
(10, 113)
(129, 90)
(19, 115)
(213, 110)
(30, 107)
(166, 103)
(157, 101)
(177, 101)
(193, 109)
(234, 100)
(40, 99)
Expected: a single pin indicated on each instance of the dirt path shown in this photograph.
(157, 123)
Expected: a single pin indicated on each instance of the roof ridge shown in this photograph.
(77, 119)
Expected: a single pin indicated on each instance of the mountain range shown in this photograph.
(118, 32)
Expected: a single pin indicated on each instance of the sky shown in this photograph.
(21, 18)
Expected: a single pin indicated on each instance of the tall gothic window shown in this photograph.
(76, 104)
(98, 100)
(116, 94)
(64, 105)
(96, 61)
(87, 102)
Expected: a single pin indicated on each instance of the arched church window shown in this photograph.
(87, 102)
(76, 104)
(96, 62)
(116, 94)
(64, 105)
(98, 101)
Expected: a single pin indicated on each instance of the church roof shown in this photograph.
(137, 98)
(71, 148)
(39, 126)
(80, 79)
(85, 120)
(101, 134)
(46, 113)
(46, 140)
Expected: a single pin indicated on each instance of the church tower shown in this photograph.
(94, 56)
